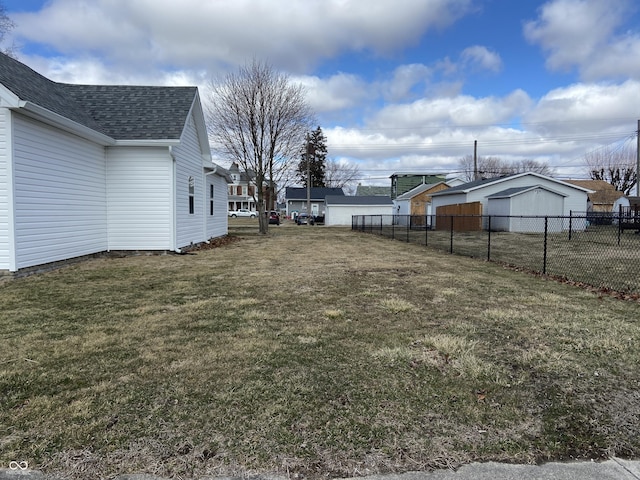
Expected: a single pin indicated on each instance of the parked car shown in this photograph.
(304, 219)
(274, 217)
(242, 212)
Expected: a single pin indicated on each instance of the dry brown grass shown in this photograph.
(312, 352)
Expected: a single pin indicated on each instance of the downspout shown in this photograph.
(174, 181)
(11, 217)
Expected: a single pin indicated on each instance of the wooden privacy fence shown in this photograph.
(466, 217)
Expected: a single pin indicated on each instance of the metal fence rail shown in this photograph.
(597, 250)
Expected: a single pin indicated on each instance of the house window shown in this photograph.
(192, 202)
(239, 191)
(210, 199)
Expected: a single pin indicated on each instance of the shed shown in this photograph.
(517, 209)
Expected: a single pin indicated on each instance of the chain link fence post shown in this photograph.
(570, 223)
(426, 230)
(489, 238)
(544, 255)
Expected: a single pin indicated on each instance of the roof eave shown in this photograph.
(47, 116)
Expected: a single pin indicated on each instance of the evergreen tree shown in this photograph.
(317, 160)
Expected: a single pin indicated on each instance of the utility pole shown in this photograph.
(475, 160)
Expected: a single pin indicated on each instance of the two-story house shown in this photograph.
(242, 191)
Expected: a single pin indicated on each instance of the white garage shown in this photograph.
(339, 209)
(513, 209)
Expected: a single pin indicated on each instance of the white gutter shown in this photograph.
(147, 143)
(51, 118)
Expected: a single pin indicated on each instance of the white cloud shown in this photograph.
(481, 57)
(583, 34)
(596, 109)
(337, 92)
(462, 110)
(433, 134)
(293, 34)
(405, 78)
(90, 70)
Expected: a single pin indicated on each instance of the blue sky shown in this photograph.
(397, 85)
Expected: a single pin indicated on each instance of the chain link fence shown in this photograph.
(598, 250)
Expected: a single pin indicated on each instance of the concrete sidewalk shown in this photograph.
(613, 469)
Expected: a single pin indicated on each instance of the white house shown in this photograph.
(295, 199)
(520, 194)
(339, 209)
(86, 169)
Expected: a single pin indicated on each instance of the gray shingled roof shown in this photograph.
(32, 87)
(473, 184)
(317, 193)
(511, 192)
(358, 200)
(121, 112)
(136, 112)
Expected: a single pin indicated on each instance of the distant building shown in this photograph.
(296, 199)
(376, 191)
(603, 197)
(403, 182)
(242, 191)
(417, 201)
(340, 209)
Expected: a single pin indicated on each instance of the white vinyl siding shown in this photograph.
(217, 224)
(59, 194)
(5, 188)
(140, 192)
(189, 227)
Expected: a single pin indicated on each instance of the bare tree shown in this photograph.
(259, 119)
(489, 167)
(341, 175)
(530, 165)
(6, 25)
(616, 166)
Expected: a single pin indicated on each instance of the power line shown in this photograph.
(485, 143)
(449, 126)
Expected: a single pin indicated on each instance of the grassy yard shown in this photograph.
(594, 256)
(312, 352)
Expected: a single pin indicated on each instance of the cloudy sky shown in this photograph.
(397, 85)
